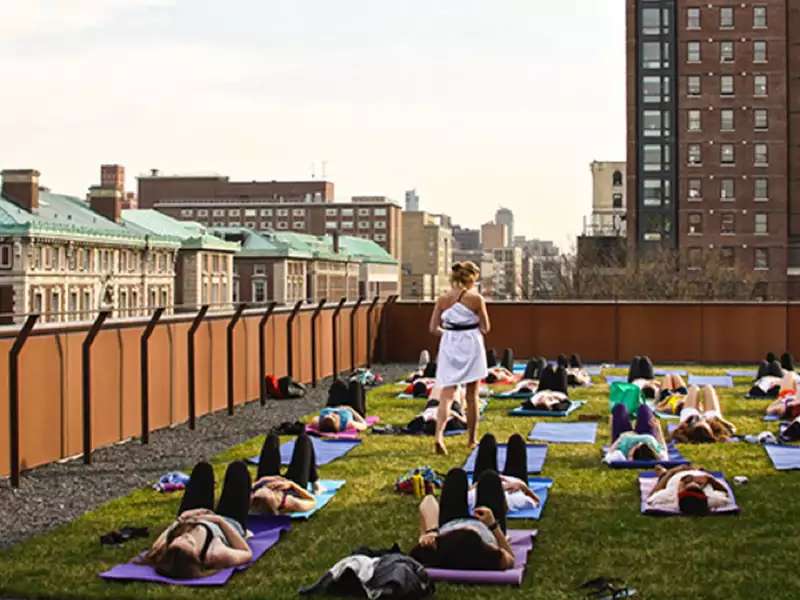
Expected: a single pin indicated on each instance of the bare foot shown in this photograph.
(440, 448)
(472, 444)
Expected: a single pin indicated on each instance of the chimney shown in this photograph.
(106, 202)
(335, 236)
(21, 186)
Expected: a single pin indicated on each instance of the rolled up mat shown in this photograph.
(326, 451)
(725, 381)
(784, 458)
(673, 426)
(521, 541)
(648, 480)
(535, 453)
(749, 373)
(616, 378)
(564, 433)
(674, 459)
(662, 372)
(266, 533)
(350, 434)
(527, 412)
(331, 486)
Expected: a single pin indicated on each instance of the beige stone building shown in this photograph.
(608, 200)
(427, 255)
(494, 235)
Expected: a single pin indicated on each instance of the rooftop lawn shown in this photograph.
(591, 525)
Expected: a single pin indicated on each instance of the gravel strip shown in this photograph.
(55, 494)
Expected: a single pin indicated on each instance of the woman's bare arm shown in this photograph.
(435, 325)
(485, 324)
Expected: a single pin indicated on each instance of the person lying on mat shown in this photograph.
(452, 537)
(277, 495)
(644, 442)
(514, 477)
(770, 377)
(642, 375)
(577, 376)
(425, 422)
(551, 393)
(691, 490)
(500, 375)
(672, 395)
(421, 388)
(787, 406)
(425, 368)
(346, 408)
(707, 426)
(202, 540)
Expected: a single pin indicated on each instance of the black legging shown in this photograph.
(516, 457)
(355, 398)
(553, 379)
(533, 370)
(453, 503)
(234, 502)
(772, 369)
(641, 368)
(491, 358)
(787, 361)
(561, 361)
(575, 361)
(303, 466)
(508, 359)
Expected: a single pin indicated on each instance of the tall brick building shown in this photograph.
(713, 135)
(291, 206)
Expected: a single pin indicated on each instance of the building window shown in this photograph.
(761, 119)
(651, 55)
(761, 157)
(695, 223)
(282, 225)
(760, 85)
(202, 212)
(726, 52)
(363, 225)
(379, 237)
(695, 123)
(651, 21)
(259, 291)
(380, 224)
(655, 89)
(651, 123)
(692, 18)
(727, 190)
(761, 259)
(616, 200)
(266, 212)
(249, 212)
(695, 189)
(299, 225)
(363, 212)
(695, 154)
(298, 212)
(652, 192)
(250, 224)
(6, 260)
(693, 52)
(218, 212)
(652, 157)
(761, 189)
(760, 51)
(234, 212)
(727, 257)
(331, 225)
(693, 86)
(283, 212)
(347, 224)
(726, 117)
(760, 224)
(726, 17)
(727, 154)
(759, 17)
(726, 85)
(330, 212)
(347, 212)
(234, 224)
(186, 212)
(727, 223)
(695, 258)
(379, 212)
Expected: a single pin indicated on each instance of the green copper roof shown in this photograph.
(193, 236)
(69, 218)
(366, 250)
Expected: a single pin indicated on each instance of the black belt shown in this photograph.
(452, 327)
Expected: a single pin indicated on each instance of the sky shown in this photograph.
(475, 103)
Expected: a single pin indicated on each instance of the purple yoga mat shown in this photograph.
(647, 481)
(350, 434)
(266, 533)
(521, 543)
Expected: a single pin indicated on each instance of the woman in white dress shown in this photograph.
(461, 320)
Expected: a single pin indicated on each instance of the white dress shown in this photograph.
(462, 355)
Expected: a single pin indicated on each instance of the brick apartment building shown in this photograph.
(714, 135)
(290, 206)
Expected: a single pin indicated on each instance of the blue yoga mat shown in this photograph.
(662, 372)
(331, 486)
(616, 378)
(784, 458)
(541, 487)
(594, 370)
(519, 367)
(725, 381)
(772, 418)
(751, 373)
(675, 459)
(326, 451)
(536, 454)
(564, 433)
(527, 412)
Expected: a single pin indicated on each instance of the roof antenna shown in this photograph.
(313, 173)
(324, 165)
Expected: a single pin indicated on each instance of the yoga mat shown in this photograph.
(527, 412)
(350, 434)
(647, 481)
(673, 426)
(725, 381)
(536, 455)
(616, 378)
(564, 433)
(675, 459)
(541, 487)
(325, 451)
(266, 533)
(404, 396)
(771, 418)
(784, 458)
(594, 370)
(751, 373)
(331, 486)
(521, 541)
(662, 372)
(668, 416)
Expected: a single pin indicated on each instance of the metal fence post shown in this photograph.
(382, 325)
(335, 336)
(314, 317)
(87, 384)
(290, 340)
(191, 366)
(13, 395)
(262, 353)
(229, 339)
(369, 330)
(353, 332)
(144, 354)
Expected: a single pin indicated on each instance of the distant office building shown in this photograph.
(427, 255)
(505, 216)
(466, 239)
(494, 235)
(412, 201)
(501, 274)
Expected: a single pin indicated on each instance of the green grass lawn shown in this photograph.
(590, 527)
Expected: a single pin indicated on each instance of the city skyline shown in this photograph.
(462, 102)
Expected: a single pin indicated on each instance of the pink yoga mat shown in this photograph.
(521, 543)
(349, 434)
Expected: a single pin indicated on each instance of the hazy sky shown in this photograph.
(476, 103)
